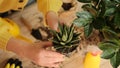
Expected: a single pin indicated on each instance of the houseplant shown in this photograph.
(104, 16)
(66, 39)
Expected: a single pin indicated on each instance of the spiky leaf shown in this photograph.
(60, 28)
(70, 34)
(66, 40)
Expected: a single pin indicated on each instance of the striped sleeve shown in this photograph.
(4, 38)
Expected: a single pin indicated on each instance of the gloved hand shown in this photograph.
(13, 63)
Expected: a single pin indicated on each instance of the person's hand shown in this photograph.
(35, 52)
(39, 55)
(52, 20)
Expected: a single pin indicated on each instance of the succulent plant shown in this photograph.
(66, 39)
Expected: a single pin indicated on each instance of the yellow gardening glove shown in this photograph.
(13, 63)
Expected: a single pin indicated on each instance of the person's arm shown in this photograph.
(4, 37)
(45, 6)
(50, 9)
(16, 46)
(35, 52)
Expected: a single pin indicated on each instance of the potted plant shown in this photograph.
(104, 16)
(66, 39)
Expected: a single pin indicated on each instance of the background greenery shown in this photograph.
(102, 15)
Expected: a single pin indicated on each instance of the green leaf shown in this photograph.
(99, 23)
(85, 1)
(71, 33)
(60, 28)
(90, 8)
(69, 28)
(76, 35)
(64, 38)
(101, 7)
(114, 44)
(62, 43)
(109, 12)
(65, 34)
(88, 30)
(109, 3)
(117, 19)
(84, 18)
(115, 60)
(70, 37)
(80, 22)
(55, 42)
(110, 44)
(84, 14)
(75, 41)
(109, 34)
(109, 48)
(58, 36)
(108, 53)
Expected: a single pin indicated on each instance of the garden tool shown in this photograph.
(92, 60)
(13, 63)
(13, 29)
